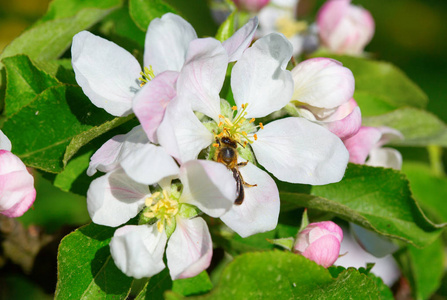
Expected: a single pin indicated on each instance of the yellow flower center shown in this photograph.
(161, 207)
(289, 26)
(238, 127)
(146, 75)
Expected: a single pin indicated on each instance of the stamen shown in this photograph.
(255, 136)
(146, 75)
(252, 120)
(215, 145)
(260, 125)
(234, 107)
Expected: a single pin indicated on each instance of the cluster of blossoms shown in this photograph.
(194, 152)
(340, 27)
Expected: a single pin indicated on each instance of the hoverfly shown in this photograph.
(227, 154)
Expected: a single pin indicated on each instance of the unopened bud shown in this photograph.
(251, 5)
(320, 242)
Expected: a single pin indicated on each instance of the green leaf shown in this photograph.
(50, 37)
(428, 189)
(423, 268)
(144, 11)
(199, 284)
(59, 121)
(226, 29)
(86, 269)
(382, 81)
(24, 82)
(375, 198)
(284, 275)
(419, 127)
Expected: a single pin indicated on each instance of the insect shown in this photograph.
(227, 154)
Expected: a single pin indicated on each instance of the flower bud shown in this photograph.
(345, 28)
(320, 242)
(251, 5)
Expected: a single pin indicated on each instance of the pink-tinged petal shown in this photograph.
(385, 268)
(330, 15)
(322, 82)
(353, 29)
(5, 143)
(389, 135)
(320, 242)
(361, 144)
(150, 103)
(106, 158)
(107, 73)
(323, 251)
(113, 199)
(208, 185)
(260, 77)
(167, 41)
(203, 75)
(189, 249)
(298, 151)
(385, 157)
(138, 250)
(251, 5)
(240, 40)
(346, 127)
(17, 192)
(259, 211)
(181, 133)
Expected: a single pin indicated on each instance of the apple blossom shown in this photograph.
(320, 242)
(168, 217)
(343, 27)
(292, 149)
(110, 76)
(368, 142)
(323, 91)
(17, 192)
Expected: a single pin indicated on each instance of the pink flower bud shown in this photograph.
(17, 191)
(345, 28)
(251, 5)
(320, 242)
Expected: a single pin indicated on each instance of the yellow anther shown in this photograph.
(252, 120)
(234, 107)
(221, 117)
(243, 105)
(148, 201)
(244, 133)
(220, 124)
(260, 125)
(215, 145)
(245, 143)
(160, 226)
(255, 136)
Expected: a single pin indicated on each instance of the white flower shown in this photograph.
(115, 198)
(110, 76)
(17, 191)
(293, 149)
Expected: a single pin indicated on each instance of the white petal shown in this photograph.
(150, 103)
(377, 245)
(147, 163)
(181, 133)
(5, 143)
(138, 250)
(106, 158)
(322, 82)
(299, 151)
(107, 73)
(167, 41)
(240, 40)
(208, 185)
(388, 135)
(113, 199)
(385, 157)
(260, 210)
(189, 248)
(203, 75)
(260, 79)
